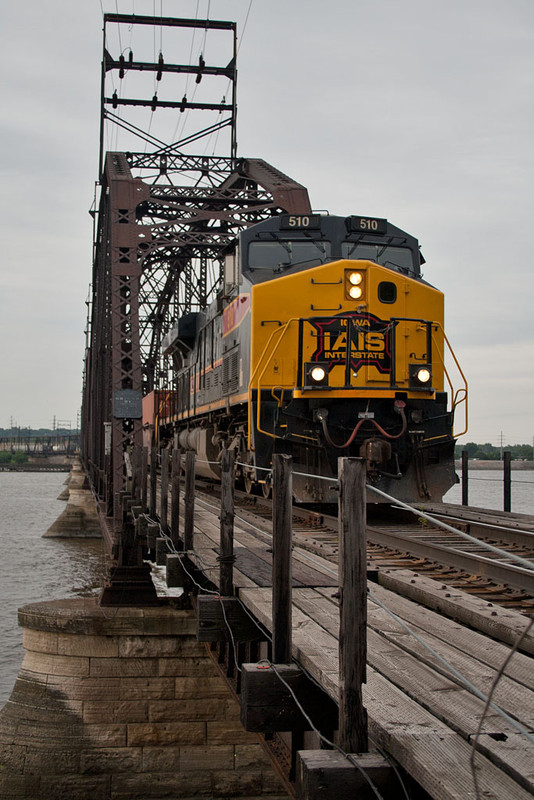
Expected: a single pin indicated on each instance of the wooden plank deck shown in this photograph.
(418, 711)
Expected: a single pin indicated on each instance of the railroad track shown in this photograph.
(397, 540)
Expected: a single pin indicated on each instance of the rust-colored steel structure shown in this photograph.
(164, 221)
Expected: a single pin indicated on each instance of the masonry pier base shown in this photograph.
(79, 519)
(123, 702)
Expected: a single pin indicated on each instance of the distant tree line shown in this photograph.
(33, 433)
(488, 452)
(7, 457)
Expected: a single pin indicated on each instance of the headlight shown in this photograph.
(316, 374)
(423, 375)
(354, 284)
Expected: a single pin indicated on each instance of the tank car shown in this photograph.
(324, 341)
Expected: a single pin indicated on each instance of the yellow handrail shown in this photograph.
(280, 332)
(460, 395)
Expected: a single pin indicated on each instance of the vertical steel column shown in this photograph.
(125, 193)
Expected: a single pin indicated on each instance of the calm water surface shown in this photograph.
(48, 569)
(486, 490)
(34, 568)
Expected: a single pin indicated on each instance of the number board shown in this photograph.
(367, 224)
(299, 221)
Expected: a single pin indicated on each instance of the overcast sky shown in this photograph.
(419, 111)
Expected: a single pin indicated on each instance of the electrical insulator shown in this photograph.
(201, 65)
(121, 64)
(114, 99)
(184, 101)
(160, 67)
(154, 102)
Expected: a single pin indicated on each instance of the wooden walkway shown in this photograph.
(418, 711)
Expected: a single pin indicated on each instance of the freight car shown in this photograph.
(324, 341)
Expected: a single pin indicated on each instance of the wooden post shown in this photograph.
(465, 478)
(164, 491)
(144, 477)
(226, 577)
(189, 499)
(352, 605)
(135, 461)
(152, 533)
(153, 481)
(175, 498)
(282, 574)
(507, 478)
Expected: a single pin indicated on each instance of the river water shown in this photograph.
(486, 490)
(47, 569)
(34, 568)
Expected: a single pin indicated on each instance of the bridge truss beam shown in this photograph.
(159, 255)
(165, 219)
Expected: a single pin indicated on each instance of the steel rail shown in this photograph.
(475, 564)
(511, 531)
(511, 575)
(493, 531)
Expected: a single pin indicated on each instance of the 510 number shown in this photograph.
(369, 224)
(300, 221)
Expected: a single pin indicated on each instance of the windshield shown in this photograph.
(386, 255)
(280, 255)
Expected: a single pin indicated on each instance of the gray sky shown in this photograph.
(418, 111)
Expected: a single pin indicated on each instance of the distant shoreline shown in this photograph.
(477, 463)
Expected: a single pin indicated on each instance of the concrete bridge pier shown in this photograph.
(116, 703)
(79, 519)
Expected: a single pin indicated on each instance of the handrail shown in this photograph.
(460, 395)
(280, 333)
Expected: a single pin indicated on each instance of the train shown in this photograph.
(323, 342)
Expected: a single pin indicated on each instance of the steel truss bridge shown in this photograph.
(164, 221)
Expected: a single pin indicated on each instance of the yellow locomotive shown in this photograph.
(324, 341)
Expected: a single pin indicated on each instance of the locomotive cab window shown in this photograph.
(269, 259)
(397, 258)
(387, 292)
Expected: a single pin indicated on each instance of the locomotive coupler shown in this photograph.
(376, 452)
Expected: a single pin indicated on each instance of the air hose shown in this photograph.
(399, 407)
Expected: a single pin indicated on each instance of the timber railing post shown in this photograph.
(175, 498)
(189, 500)
(465, 478)
(282, 573)
(352, 605)
(226, 557)
(507, 479)
(136, 482)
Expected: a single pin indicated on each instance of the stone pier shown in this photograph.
(123, 703)
(79, 520)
